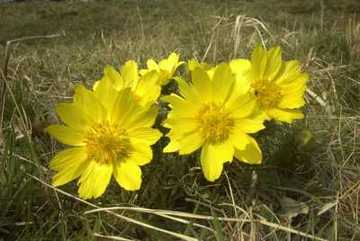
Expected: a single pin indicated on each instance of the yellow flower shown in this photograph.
(145, 87)
(208, 115)
(192, 64)
(166, 68)
(110, 134)
(278, 85)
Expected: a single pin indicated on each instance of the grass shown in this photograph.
(303, 191)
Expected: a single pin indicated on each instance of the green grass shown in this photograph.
(317, 183)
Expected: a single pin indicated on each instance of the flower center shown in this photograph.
(106, 143)
(215, 123)
(268, 94)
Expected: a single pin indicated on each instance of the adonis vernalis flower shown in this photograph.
(110, 134)
(209, 115)
(278, 85)
(166, 68)
(145, 88)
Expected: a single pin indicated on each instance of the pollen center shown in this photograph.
(215, 123)
(268, 94)
(106, 143)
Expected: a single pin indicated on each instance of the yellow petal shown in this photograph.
(258, 62)
(67, 157)
(251, 124)
(223, 83)
(106, 92)
(190, 142)
(187, 91)
(172, 146)
(284, 115)
(170, 64)
(251, 154)
(274, 63)
(192, 64)
(125, 107)
(74, 116)
(94, 180)
(66, 135)
(90, 104)
(145, 134)
(292, 101)
(141, 153)
(181, 126)
(129, 73)
(152, 65)
(243, 106)
(69, 165)
(213, 157)
(143, 117)
(239, 139)
(128, 175)
(202, 84)
(115, 78)
(241, 68)
(295, 86)
(147, 89)
(181, 108)
(290, 70)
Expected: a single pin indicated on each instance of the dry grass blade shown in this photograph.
(290, 230)
(127, 219)
(206, 217)
(112, 237)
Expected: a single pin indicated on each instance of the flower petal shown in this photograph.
(274, 63)
(202, 84)
(292, 101)
(212, 158)
(125, 108)
(251, 124)
(251, 154)
(290, 70)
(66, 135)
(258, 62)
(172, 146)
(129, 73)
(223, 83)
(141, 153)
(284, 115)
(69, 165)
(115, 78)
(181, 108)
(145, 134)
(147, 89)
(128, 175)
(239, 139)
(241, 68)
(94, 179)
(105, 89)
(90, 104)
(73, 115)
(189, 142)
(186, 90)
(243, 106)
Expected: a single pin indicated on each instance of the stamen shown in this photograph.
(215, 123)
(268, 94)
(106, 143)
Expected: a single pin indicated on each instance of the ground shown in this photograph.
(306, 189)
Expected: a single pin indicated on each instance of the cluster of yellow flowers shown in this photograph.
(110, 127)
